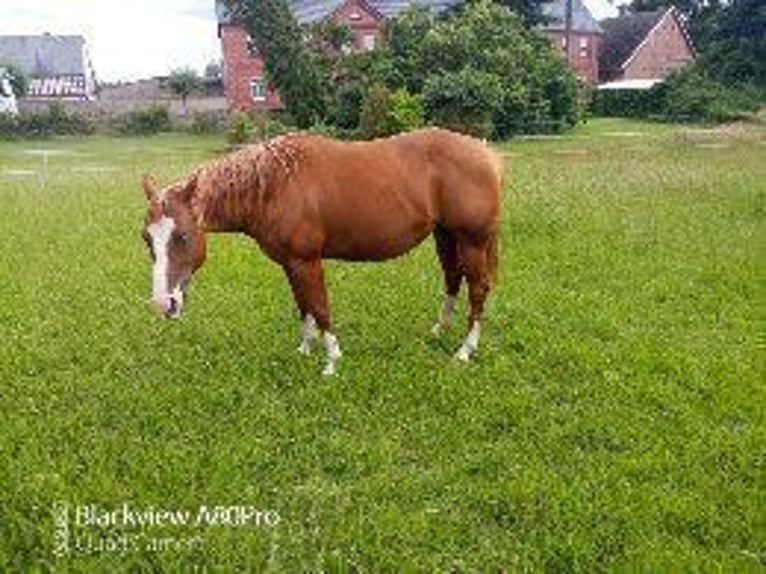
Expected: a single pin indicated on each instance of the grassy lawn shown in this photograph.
(613, 418)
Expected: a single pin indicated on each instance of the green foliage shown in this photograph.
(735, 44)
(183, 82)
(465, 101)
(247, 127)
(626, 103)
(515, 84)
(686, 95)
(55, 120)
(354, 75)
(330, 35)
(385, 113)
(207, 122)
(145, 121)
(404, 42)
(241, 129)
(407, 111)
(291, 67)
(375, 116)
(690, 95)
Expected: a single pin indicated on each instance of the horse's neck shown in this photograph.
(227, 196)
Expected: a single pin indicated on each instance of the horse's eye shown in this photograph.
(184, 237)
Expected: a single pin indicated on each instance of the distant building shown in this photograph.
(58, 67)
(639, 49)
(243, 68)
(585, 37)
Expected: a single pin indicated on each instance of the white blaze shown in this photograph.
(160, 232)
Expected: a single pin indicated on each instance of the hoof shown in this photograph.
(304, 348)
(329, 370)
(463, 355)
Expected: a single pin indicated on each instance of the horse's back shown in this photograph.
(378, 199)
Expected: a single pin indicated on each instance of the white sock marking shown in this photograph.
(470, 344)
(447, 315)
(308, 332)
(333, 352)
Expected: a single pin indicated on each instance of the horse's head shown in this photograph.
(176, 243)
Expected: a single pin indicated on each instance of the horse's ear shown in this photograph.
(150, 187)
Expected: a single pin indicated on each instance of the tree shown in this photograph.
(290, 66)
(515, 83)
(183, 82)
(735, 44)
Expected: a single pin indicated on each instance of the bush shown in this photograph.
(689, 95)
(517, 83)
(151, 120)
(407, 112)
(266, 125)
(240, 130)
(626, 103)
(207, 122)
(375, 117)
(56, 120)
(686, 95)
(464, 101)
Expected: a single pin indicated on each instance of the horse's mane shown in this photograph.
(246, 178)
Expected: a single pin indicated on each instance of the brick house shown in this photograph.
(58, 67)
(643, 47)
(243, 68)
(585, 37)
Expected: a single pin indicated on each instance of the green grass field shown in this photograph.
(613, 419)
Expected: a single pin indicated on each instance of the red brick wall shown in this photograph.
(239, 69)
(362, 22)
(583, 55)
(664, 50)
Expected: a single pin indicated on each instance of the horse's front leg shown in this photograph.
(307, 282)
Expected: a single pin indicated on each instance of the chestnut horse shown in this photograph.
(305, 198)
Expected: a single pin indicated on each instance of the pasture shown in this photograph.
(613, 418)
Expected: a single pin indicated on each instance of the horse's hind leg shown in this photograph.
(307, 282)
(446, 247)
(473, 257)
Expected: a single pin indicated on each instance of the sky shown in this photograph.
(131, 39)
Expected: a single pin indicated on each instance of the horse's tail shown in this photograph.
(492, 256)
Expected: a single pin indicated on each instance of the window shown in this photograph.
(369, 41)
(583, 47)
(258, 89)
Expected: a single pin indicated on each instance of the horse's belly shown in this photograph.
(374, 243)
